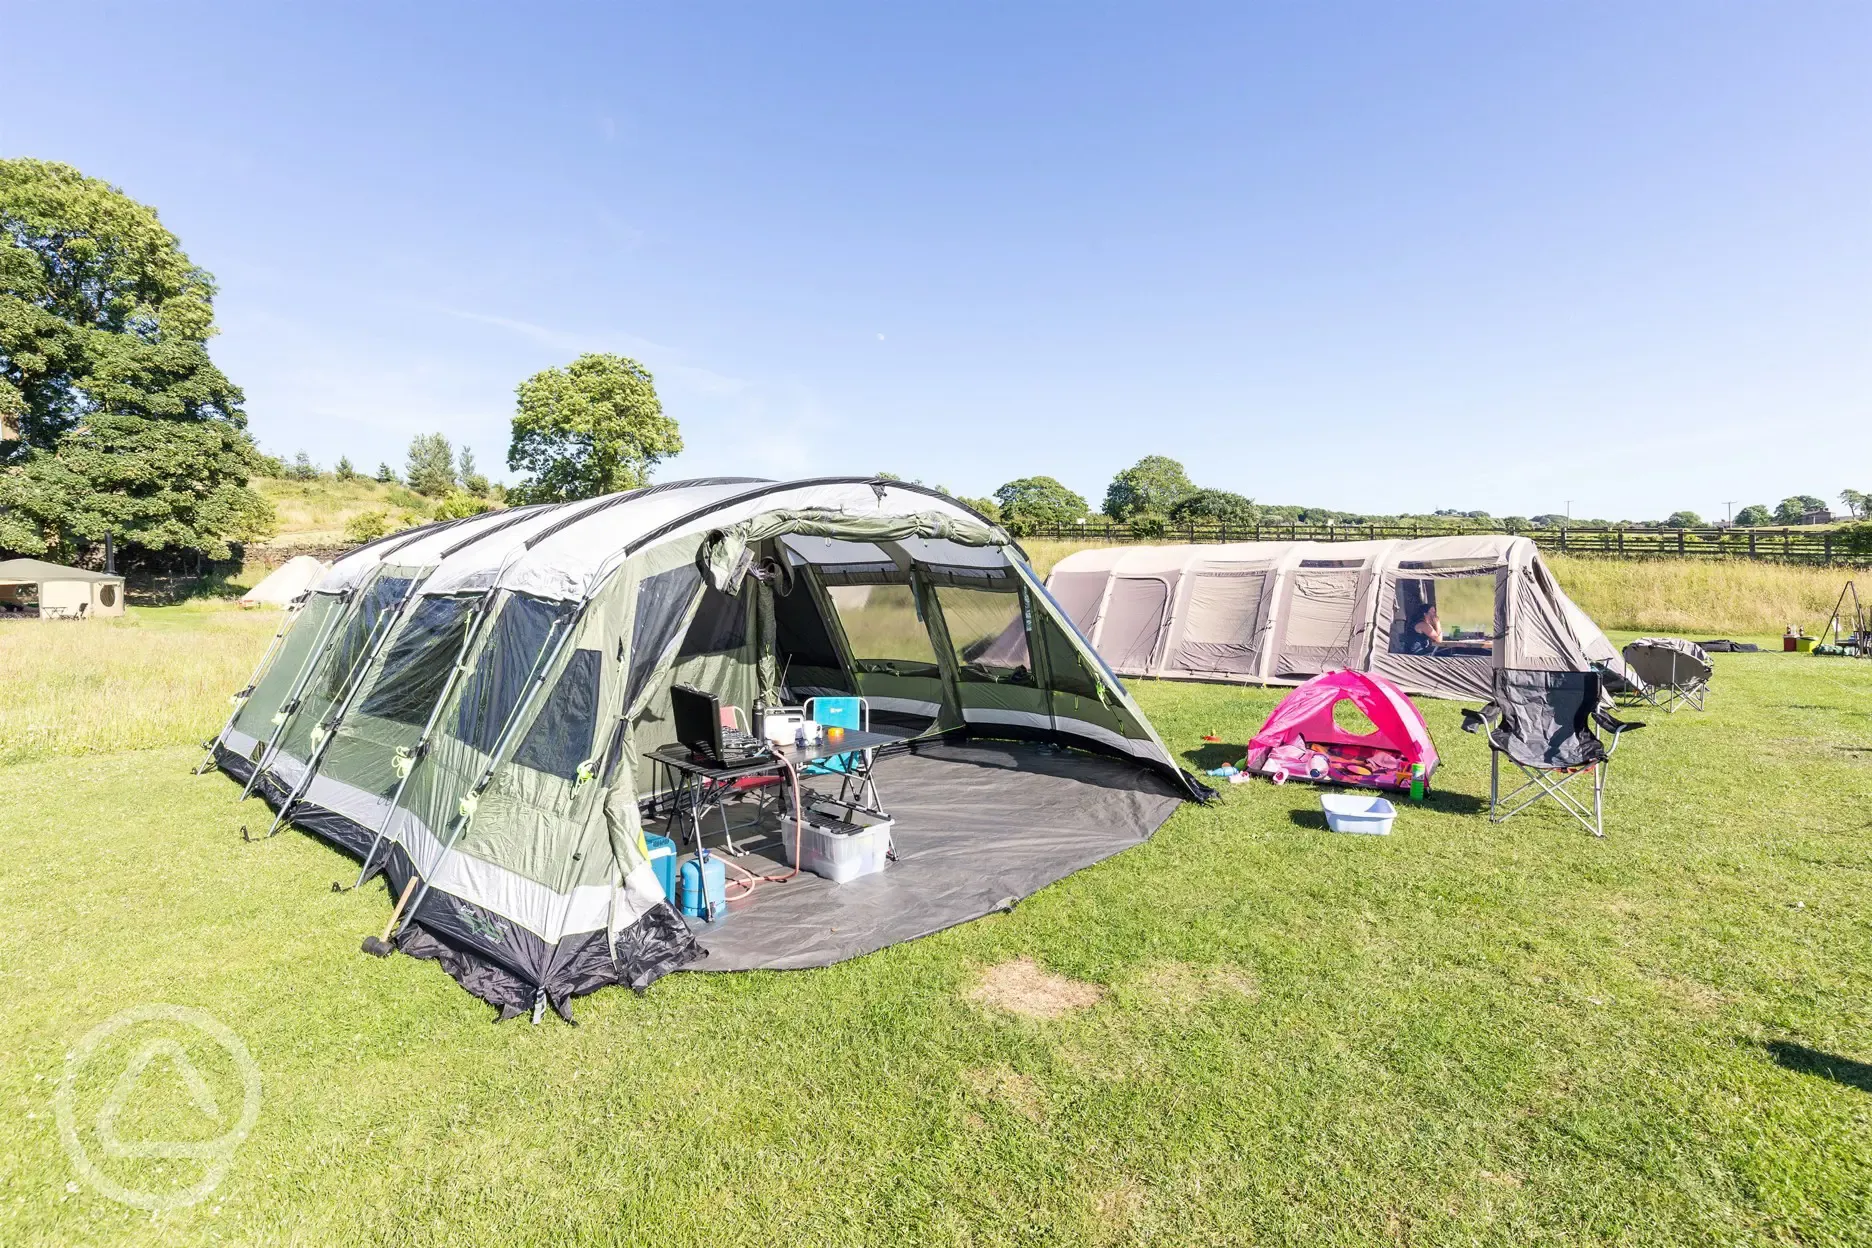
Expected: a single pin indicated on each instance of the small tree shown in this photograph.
(1857, 504)
(303, 469)
(1684, 520)
(472, 483)
(458, 504)
(365, 526)
(1154, 484)
(987, 506)
(431, 467)
(386, 475)
(1753, 515)
(343, 469)
(1032, 502)
(593, 427)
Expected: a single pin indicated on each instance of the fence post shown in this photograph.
(1563, 540)
(1680, 543)
(1751, 543)
(1621, 541)
(1787, 544)
(1827, 541)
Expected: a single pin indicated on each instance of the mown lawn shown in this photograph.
(1460, 1034)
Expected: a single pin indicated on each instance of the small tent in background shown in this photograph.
(54, 592)
(286, 582)
(1304, 740)
(1437, 616)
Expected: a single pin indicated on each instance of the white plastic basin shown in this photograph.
(1357, 812)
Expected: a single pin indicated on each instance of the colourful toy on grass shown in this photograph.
(1302, 741)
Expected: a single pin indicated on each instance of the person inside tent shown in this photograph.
(1424, 637)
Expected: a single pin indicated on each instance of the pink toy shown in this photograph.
(1301, 741)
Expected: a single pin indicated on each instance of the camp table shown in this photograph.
(695, 788)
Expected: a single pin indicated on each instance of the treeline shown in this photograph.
(1156, 496)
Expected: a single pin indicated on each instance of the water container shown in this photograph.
(663, 862)
(1349, 812)
(837, 849)
(704, 888)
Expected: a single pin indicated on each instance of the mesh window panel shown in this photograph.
(383, 595)
(806, 652)
(418, 664)
(507, 663)
(1133, 620)
(1219, 633)
(1444, 617)
(255, 718)
(720, 623)
(561, 738)
(662, 601)
(989, 633)
(884, 628)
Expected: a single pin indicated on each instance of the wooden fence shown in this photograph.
(1772, 545)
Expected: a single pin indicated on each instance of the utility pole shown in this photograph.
(1569, 509)
(1730, 504)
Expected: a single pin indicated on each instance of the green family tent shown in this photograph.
(471, 706)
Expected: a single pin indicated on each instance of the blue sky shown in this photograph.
(1368, 256)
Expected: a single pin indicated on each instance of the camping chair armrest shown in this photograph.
(1617, 727)
(1480, 720)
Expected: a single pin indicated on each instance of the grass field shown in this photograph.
(1711, 598)
(1268, 1034)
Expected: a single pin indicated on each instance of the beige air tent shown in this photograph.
(1437, 615)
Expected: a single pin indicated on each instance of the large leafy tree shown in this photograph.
(1753, 515)
(1034, 501)
(593, 427)
(1152, 486)
(125, 424)
(1214, 507)
(1790, 510)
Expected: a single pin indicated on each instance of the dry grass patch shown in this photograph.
(1004, 1087)
(1117, 1210)
(1181, 986)
(1026, 988)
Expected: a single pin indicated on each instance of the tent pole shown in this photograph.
(465, 817)
(421, 748)
(385, 624)
(292, 699)
(253, 679)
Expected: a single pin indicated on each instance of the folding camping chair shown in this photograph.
(854, 767)
(1548, 725)
(1674, 672)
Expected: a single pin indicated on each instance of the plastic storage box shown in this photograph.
(837, 848)
(1352, 812)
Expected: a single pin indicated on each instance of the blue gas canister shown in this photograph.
(704, 887)
(663, 862)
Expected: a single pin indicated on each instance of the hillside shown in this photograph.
(314, 513)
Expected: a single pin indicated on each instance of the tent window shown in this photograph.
(807, 654)
(1078, 594)
(507, 663)
(383, 595)
(1444, 617)
(989, 633)
(662, 602)
(720, 625)
(1221, 633)
(561, 738)
(418, 664)
(1133, 621)
(885, 629)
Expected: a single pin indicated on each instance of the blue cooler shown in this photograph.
(663, 862)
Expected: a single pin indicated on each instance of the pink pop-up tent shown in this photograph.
(1300, 739)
